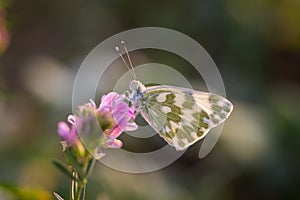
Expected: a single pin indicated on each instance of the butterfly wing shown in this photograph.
(183, 116)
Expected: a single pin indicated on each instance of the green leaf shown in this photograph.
(57, 196)
(73, 161)
(90, 167)
(63, 169)
(21, 193)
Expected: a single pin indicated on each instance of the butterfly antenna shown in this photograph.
(124, 46)
(125, 63)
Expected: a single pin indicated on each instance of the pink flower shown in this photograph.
(67, 131)
(112, 109)
(122, 115)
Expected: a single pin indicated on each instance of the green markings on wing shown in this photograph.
(220, 108)
(199, 124)
(164, 119)
(175, 113)
(176, 127)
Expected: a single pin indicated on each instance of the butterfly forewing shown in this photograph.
(183, 116)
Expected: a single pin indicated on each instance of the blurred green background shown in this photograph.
(255, 44)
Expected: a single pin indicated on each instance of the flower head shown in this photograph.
(113, 115)
(122, 115)
(67, 131)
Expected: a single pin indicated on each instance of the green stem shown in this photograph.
(78, 191)
(83, 192)
(73, 187)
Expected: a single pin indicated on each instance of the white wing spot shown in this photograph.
(167, 129)
(187, 115)
(179, 100)
(194, 135)
(185, 141)
(165, 109)
(203, 102)
(162, 97)
(217, 117)
(175, 141)
(202, 129)
(221, 103)
(223, 112)
(206, 120)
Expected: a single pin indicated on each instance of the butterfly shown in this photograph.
(181, 116)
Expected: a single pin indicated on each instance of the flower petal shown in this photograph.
(131, 112)
(66, 133)
(71, 119)
(115, 144)
(63, 130)
(99, 154)
(120, 114)
(107, 100)
(131, 126)
(115, 132)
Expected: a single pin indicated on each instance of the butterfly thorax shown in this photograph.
(137, 93)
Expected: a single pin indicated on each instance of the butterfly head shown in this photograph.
(136, 86)
(137, 92)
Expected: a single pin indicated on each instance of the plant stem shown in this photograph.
(78, 187)
(79, 194)
(73, 188)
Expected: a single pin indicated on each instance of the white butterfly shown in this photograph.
(180, 116)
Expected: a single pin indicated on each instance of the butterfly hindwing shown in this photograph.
(183, 116)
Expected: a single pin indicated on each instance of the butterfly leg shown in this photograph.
(127, 95)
